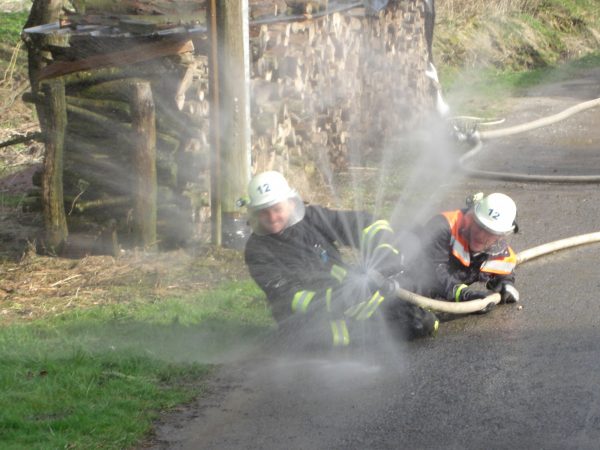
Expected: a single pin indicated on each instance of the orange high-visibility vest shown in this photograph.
(499, 264)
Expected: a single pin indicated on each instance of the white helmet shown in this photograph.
(268, 188)
(496, 213)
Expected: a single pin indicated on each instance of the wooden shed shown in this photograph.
(329, 81)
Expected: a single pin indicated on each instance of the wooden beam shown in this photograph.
(137, 53)
(144, 163)
(55, 222)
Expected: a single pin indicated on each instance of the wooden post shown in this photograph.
(234, 74)
(215, 125)
(143, 120)
(42, 12)
(55, 222)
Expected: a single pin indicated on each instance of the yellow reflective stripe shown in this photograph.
(338, 272)
(301, 300)
(498, 266)
(328, 293)
(436, 326)
(369, 232)
(339, 333)
(354, 310)
(387, 246)
(371, 306)
(458, 291)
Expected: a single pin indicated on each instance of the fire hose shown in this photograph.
(478, 305)
(525, 255)
(480, 136)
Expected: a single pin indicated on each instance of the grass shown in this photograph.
(473, 92)
(97, 378)
(10, 201)
(492, 49)
(11, 25)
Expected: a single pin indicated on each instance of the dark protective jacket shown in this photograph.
(296, 267)
(447, 260)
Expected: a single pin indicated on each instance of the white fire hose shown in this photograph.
(478, 305)
(493, 134)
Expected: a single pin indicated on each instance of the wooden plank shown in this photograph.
(138, 53)
(148, 7)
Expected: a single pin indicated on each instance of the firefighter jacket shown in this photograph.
(298, 266)
(448, 262)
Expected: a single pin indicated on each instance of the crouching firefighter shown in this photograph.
(468, 246)
(315, 297)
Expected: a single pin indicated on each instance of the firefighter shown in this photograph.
(469, 245)
(293, 256)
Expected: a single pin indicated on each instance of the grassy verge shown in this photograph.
(489, 50)
(96, 378)
(11, 24)
(481, 92)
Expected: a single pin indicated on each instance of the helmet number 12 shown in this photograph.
(493, 214)
(264, 188)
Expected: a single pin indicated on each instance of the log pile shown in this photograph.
(100, 139)
(326, 88)
(335, 89)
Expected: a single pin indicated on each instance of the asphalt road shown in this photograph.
(514, 378)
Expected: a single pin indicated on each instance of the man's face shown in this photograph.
(275, 218)
(480, 239)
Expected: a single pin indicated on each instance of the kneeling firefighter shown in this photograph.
(315, 297)
(466, 246)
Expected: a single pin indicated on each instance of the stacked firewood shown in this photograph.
(334, 89)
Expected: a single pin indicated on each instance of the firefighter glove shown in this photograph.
(509, 293)
(464, 293)
(389, 287)
(375, 280)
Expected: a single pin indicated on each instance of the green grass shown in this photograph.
(11, 25)
(96, 378)
(10, 201)
(481, 91)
